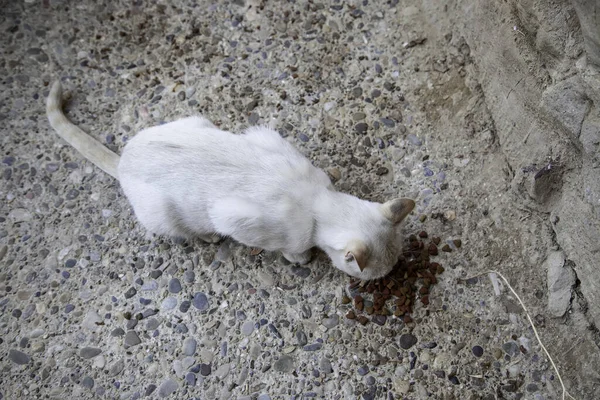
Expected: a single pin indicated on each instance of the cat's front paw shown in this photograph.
(298, 258)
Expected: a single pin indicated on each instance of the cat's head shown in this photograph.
(375, 249)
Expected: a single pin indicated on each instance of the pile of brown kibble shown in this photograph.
(396, 294)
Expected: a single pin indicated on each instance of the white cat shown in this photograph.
(188, 178)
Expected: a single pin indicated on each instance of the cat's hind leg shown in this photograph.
(298, 258)
(211, 238)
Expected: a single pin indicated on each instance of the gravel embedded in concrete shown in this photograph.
(387, 98)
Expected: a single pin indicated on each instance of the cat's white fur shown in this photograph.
(188, 178)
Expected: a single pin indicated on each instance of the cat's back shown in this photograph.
(193, 149)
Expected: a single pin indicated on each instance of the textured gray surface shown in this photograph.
(360, 92)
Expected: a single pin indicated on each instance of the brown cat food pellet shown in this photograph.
(407, 319)
(425, 300)
(432, 249)
(363, 320)
(422, 218)
(346, 300)
(436, 240)
(351, 315)
(446, 248)
(359, 306)
(423, 235)
(457, 243)
(523, 349)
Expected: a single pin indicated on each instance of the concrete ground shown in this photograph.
(380, 95)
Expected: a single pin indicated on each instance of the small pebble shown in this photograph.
(200, 301)
(511, 348)
(189, 276)
(284, 364)
(414, 140)
(361, 127)
(532, 387)
(87, 382)
(167, 388)
(149, 286)
(313, 347)
(362, 371)
(325, 366)
(152, 324)
(390, 123)
(358, 116)
(299, 271)
(131, 339)
(407, 341)
(174, 285)
(130, 292)
(89, 352)
(150, 389)
(155, 274)
(477, 351)
(205, 369)
(247, 328)
(189, 347)
(132, 323)
(117, 332)
(331, 322)
(185, 306)
(18, 357)
(169, 303)
(190, 378)
(301, 337)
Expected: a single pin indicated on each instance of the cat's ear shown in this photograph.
(396, 210)
(357, 252)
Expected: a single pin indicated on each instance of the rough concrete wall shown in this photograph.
(588, 12)
(538, 66)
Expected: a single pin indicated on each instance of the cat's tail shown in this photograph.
(89, 147)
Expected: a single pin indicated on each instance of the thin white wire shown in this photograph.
(564, 393)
